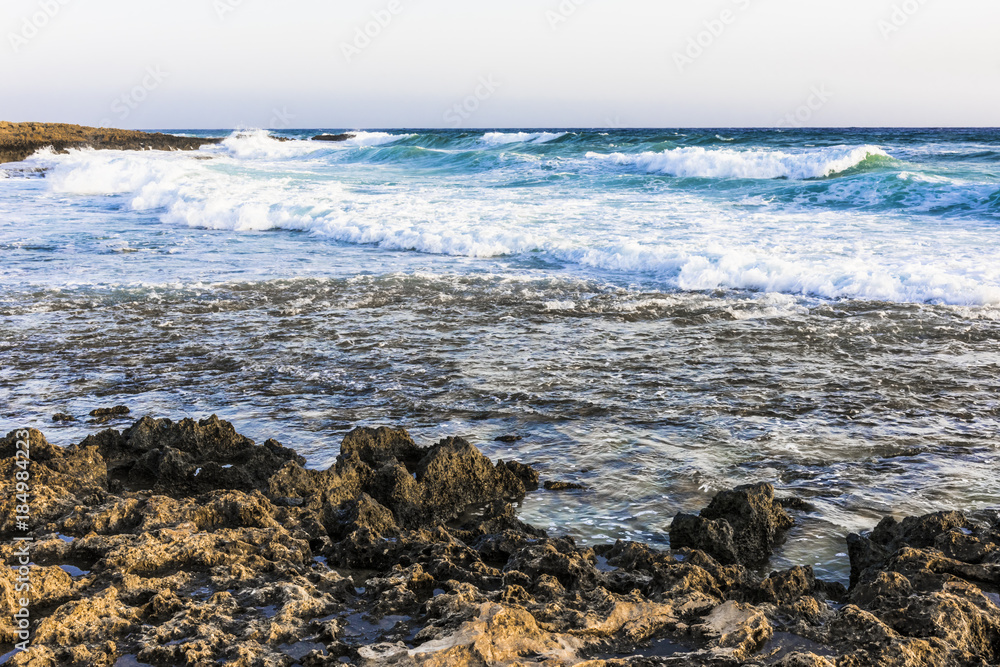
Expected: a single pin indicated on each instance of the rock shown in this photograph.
(376, 447)
(19, 141)
(63, 417)
(190, 544)
(799, 659)
(755, 520)
(734, 630)
(872, 552)
(361, 514)
(527, 474)
(188, 457)
(509, 438)
(454, 475)
(788, 586)
(116, 411)
(333, 137)
(496, 635)
(563, 486)
(714, 537)
(797, 504)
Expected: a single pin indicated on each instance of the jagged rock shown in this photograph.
(787, 586)
(376, 447)
(714, 537)
(803, 660)
(361, 514)
(738, 526)
(415, 556)
(873, 551)
(527, 474)
(189, 457)
(734, 631)
(455, 475)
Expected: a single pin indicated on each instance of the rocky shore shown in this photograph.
(19, 140)
(185, 543)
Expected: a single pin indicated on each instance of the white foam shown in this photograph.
(90, 172)
(504, 138)
(697, 162)
(259, 144)
(368, 139)
(678, 239)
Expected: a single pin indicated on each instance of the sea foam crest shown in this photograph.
(90, 172)
(698, 162)
(504, 138)
(367, 139)
(208, 194)
(260, 145)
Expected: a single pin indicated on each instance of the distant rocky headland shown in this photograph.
(19, 140)
(186, 543)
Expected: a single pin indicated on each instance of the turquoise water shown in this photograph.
(660, 313)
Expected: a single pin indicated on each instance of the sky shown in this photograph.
(357, 64)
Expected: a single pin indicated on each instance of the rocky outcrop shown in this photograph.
(186, 543)
(19, 140)
(739, 526)
(333, 137)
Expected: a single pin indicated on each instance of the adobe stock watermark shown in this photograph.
(32, 25)
(366, 34)
(818, 97)
(128, 102)
(225, 7)
(281, 119)
(21, 557)
(704, 40)
(463, 110)
(900, 16)
(563, 13)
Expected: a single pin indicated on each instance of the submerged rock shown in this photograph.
(186, 543)
(333, 137)
(552, 485)
(116, 411)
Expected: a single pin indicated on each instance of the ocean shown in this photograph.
(658, 314)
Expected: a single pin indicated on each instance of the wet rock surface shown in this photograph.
(19, 140)
(739, 526)
(333, 137)
(185, 543)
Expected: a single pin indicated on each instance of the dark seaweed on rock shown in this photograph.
(186, 543)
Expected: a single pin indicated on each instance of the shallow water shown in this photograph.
(654, 335)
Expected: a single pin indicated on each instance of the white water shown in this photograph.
(672, 239)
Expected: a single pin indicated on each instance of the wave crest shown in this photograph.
(697, 162)
(260, 145)
(504, 138)
(368, 139)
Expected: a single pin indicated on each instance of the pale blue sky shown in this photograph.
(227, 63)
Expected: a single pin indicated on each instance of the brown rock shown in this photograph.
(19, 140)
